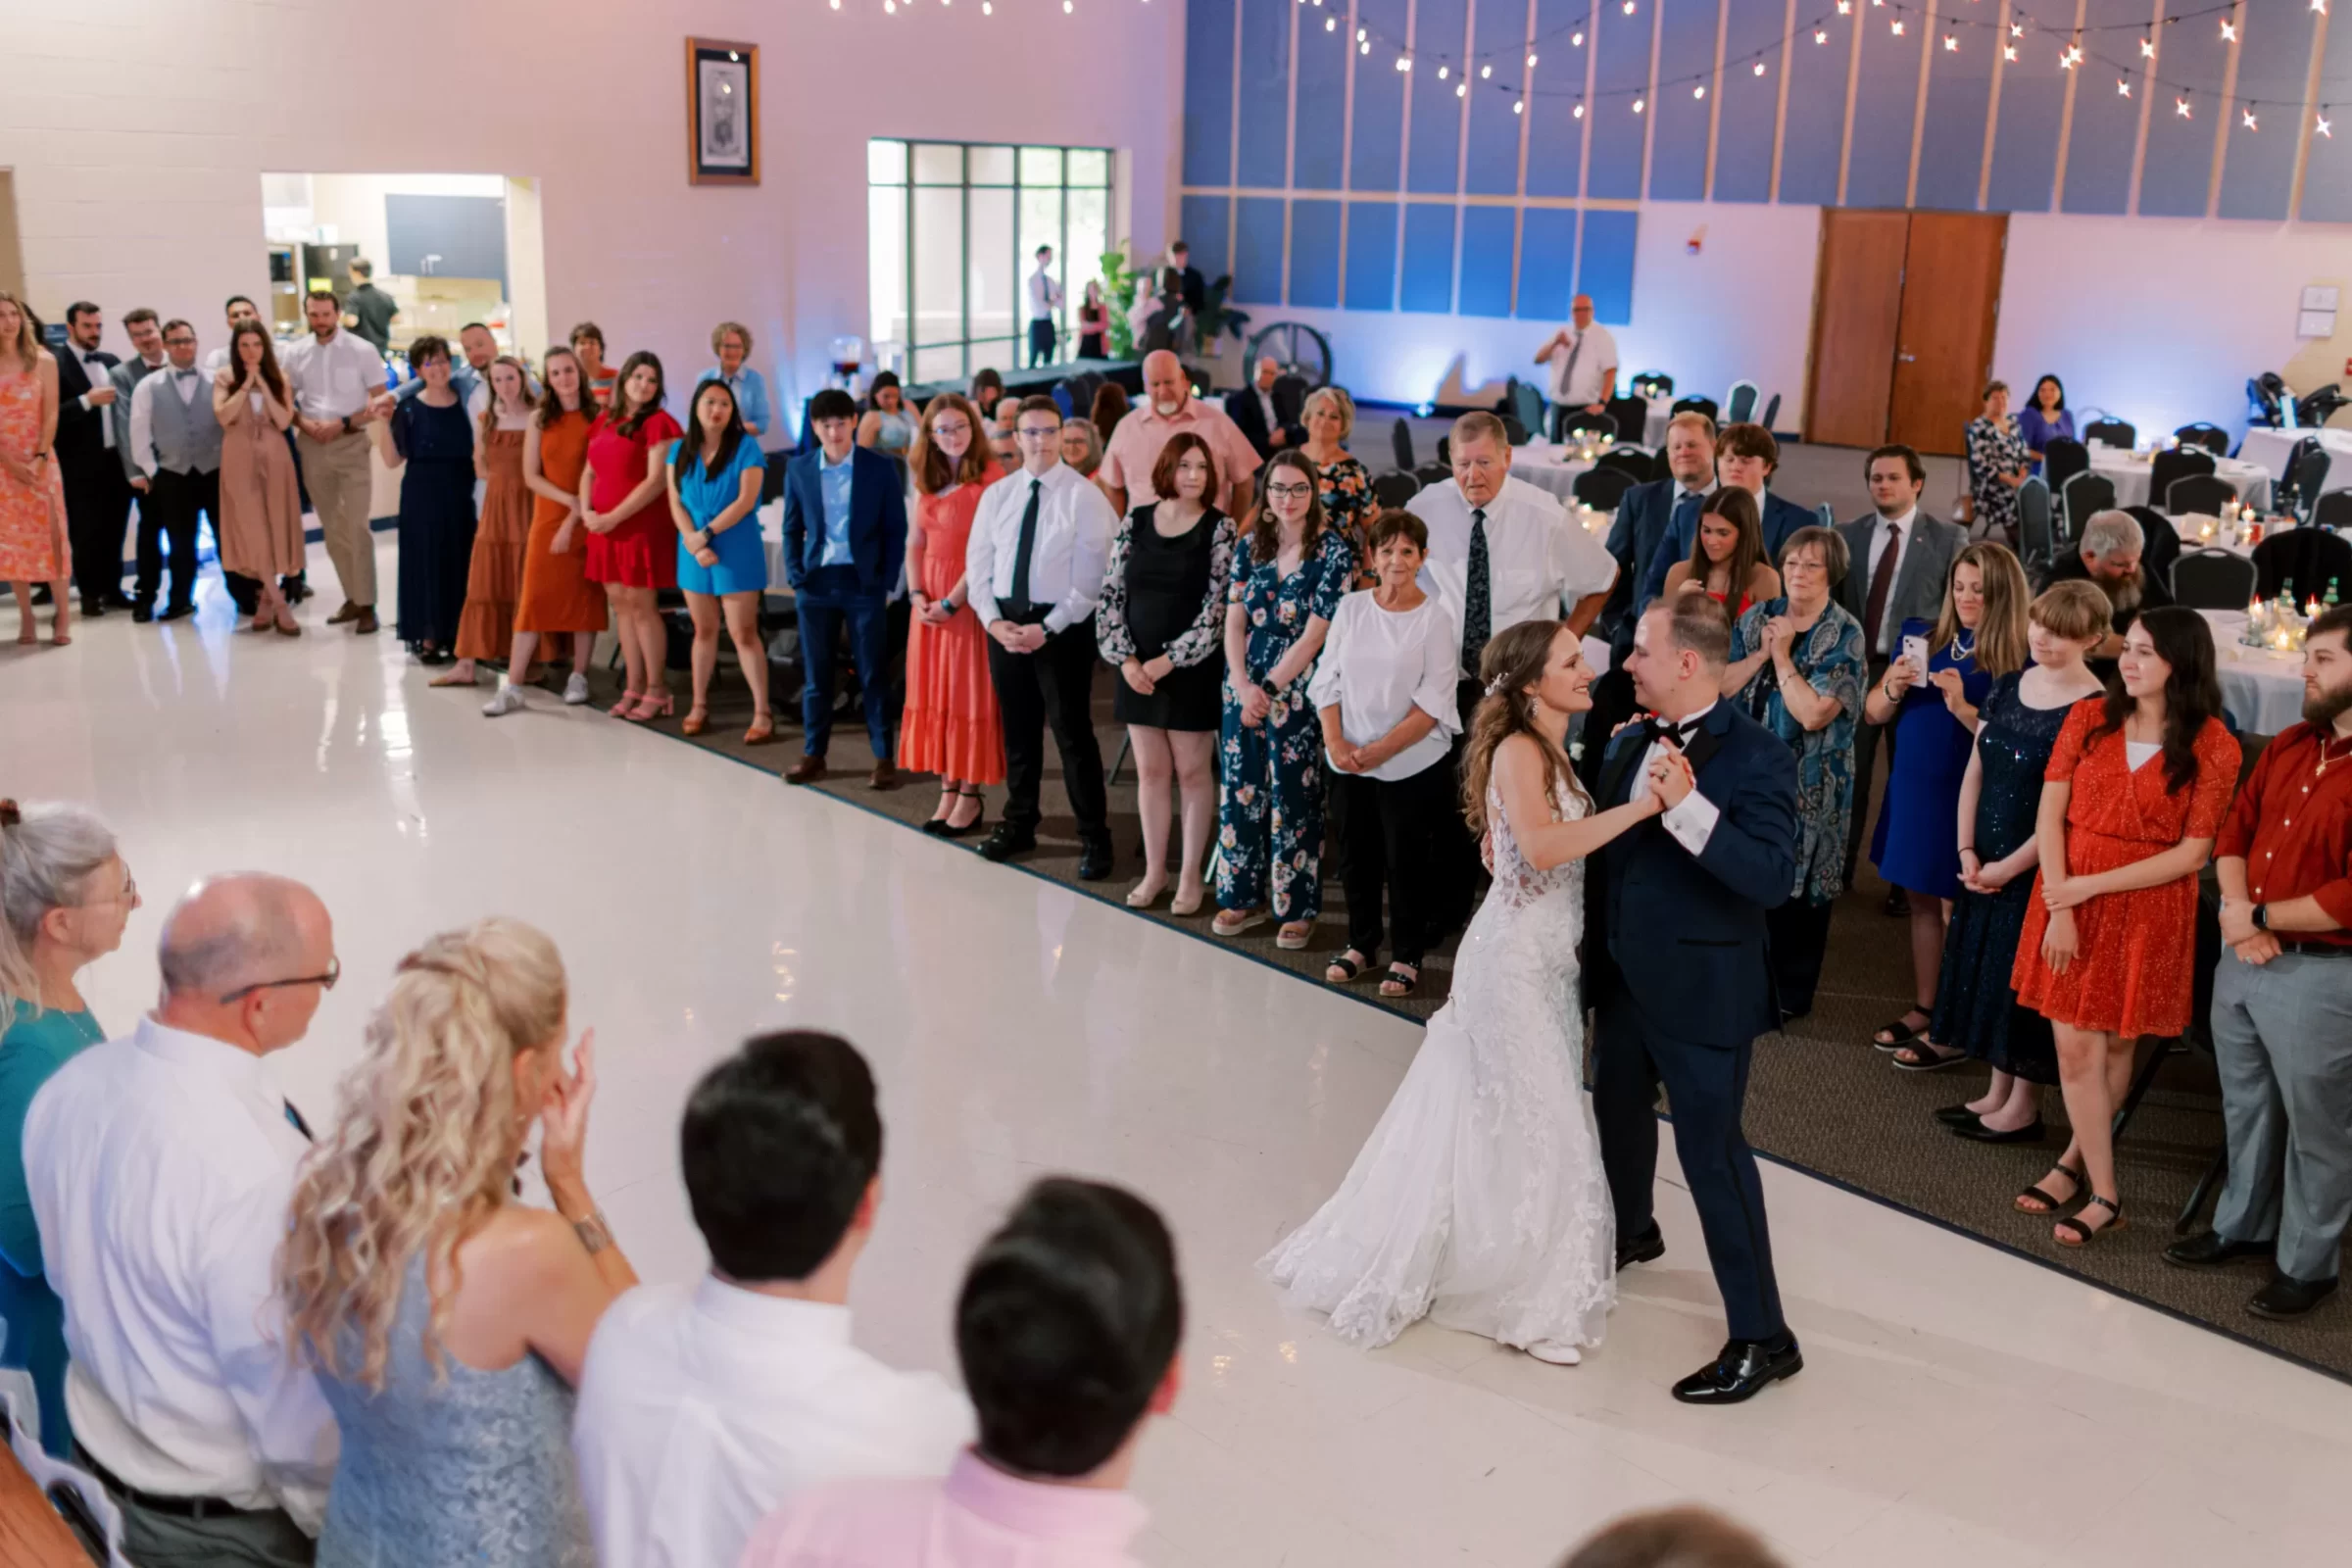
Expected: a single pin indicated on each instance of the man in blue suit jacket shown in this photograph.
(1680, 977)
(1746, 455)
(1644, 518)
(845, 544)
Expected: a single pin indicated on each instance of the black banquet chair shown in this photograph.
(1633, 419)
(1741, 405)
(2305, 560)
(1393, 490)
(2170, 467)
(1430, 473)
(2158, 541)
(2199, 493)
(2036, 545)
(1645, 467)
(1653, 384)
(2306, 477)
(1602, 488)
(2061, 461)
(2114, 432)
(1696, 405)
(1401, 446)
(1771, 412)
(2204, 433)
(2083, 498)
(1585, 421)
(2332, 510)
(1513, 430)
(2213, 578)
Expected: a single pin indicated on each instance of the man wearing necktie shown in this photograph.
(97, 491)
(1646, 514)
(176, 450)
(1583, 357)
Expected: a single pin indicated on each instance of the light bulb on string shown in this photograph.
(1330, 23)
(1578, 110)
(1404, 63)
(2123, 87)
(1577, 42)
(2008, 51)
(1531, 59)
(890, 8)
(2066, 61)
(1759, 68)
(2017, 29)
(1461, 89)
(1629, 7)
(2181, 108)
(2320, 126)
(2229, 30)
(2248, 113)
(1897, 27)
(1637, 106)
(1518, 105)
(2320, 6)
(1951, 45)
(1485, 72)
(1699, 91)
(1441, 73)
(1364, 48)
(1846, 8)
(1820, 36)
(2147, 49)
(1361, 34)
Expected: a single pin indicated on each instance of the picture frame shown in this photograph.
(723, 112)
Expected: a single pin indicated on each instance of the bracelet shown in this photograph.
(1969, 849)
(592, 1232)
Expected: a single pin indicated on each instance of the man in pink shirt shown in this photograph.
(1169, 407)
(1067, 1332)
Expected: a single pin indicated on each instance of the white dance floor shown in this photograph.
(1958, 1406)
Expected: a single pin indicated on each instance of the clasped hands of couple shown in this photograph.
(1671, 776)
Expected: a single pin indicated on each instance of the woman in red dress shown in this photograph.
(1728, 561)
(633, 544)
(2132, 800)
(950, 726)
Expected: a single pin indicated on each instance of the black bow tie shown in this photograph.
(1666, 729)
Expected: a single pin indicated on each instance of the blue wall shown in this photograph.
(1319, 174)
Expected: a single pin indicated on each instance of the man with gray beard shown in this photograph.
(2108, 555)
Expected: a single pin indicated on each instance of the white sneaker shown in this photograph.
(508, 700)
(575, 690)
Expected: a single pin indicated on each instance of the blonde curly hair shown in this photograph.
(425, 1139)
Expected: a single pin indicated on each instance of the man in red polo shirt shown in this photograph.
(2283, 997)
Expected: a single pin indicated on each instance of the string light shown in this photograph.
(1441, 73)
(1759, 68)
(2248, 111)
(1580, 109)
(2123, 88)
(1484, 72)
(1699, 91)
(1364, 48)
(1403, 63)
(1846, 8)
(2320, 125)
(1531, 59)
(1330, 23)
(2320, 6)
(2008, 51)
(2229, 30)
(1629, 7)
(1637, 106)
(1518, 105)
(2017, 29)
(1951, 44)
(1820, 36)
(2066, 61)
(1898, 25)
(2181, 108)
(1577, 42)
(1362, 34)
(1461, 89)
(2147, 49)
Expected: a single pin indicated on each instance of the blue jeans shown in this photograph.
(828, 600)
(2283, 1041)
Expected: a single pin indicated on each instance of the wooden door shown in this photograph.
(1857, 314)
(1951, 304)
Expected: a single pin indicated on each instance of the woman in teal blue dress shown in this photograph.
(715, 470)
(1270, 773)
(65, 897)
(1796, 669)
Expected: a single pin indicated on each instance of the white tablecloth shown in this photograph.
(2127, 471)
(772, 534)
(1653, 427)
(1548, 467)
(2272, 448)
(2262, 689)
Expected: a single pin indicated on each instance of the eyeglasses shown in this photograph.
(128, 895)
(1290, 492)
(1032, 432)
(324, 982)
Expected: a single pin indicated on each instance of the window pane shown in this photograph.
(938, 365)
(1041, 165)
(1088, 165)
(938, 163)
(998, 354)
(886, 163)
(938, 266)
(1089, 238)
(1041, 224)
(993, 281)
(886, 250)
(992, 166)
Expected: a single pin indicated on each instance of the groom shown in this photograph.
(1678, 977)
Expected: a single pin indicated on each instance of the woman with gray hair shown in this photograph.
(65, 897)
(1343, 484)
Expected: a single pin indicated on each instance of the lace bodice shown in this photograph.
(1516, 880)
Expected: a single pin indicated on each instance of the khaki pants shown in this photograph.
(340, 480)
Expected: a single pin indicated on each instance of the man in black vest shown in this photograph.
(97, 493)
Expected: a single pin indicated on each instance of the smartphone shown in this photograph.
(1915, 649)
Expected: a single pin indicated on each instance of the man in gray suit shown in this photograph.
(1901, 559)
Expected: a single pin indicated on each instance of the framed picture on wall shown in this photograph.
(722, 113)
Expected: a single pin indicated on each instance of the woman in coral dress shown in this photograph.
(259, 525)
(950, 726)
(556, 598)
(494, 575)
(33, 494)
(632, 546)
(2137, 789)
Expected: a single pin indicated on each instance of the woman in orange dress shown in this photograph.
(950, 726)
(33, 494)
(556, 599)
(2134, 795)
(494, 575)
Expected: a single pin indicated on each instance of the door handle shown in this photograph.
(1907, 358)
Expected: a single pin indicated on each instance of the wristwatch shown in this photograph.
(2262, 917)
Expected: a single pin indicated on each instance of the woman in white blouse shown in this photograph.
(1385, 690)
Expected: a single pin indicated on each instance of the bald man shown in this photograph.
(1268, 411)
(161, 1166)
(1169, 407)
(1583, 358)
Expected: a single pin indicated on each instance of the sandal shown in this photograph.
(2071, 1232)
(628, 702)
(763, 731)
(1294, 935)
(696, 717)
(1233, 922)
(653, 705)
(1403, 979)
(1895, 1035)
(2049, 1202)
(1925, 1055)
(1347, 967)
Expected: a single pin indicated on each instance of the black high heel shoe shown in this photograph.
(942, 830)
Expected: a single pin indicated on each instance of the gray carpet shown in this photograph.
(1820, 1099)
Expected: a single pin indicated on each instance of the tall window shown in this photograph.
(954, 229)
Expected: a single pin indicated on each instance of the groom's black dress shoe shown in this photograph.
(1741, 1371)
(1647, 1247)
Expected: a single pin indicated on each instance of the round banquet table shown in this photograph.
(2262, 688)
(1549, 466)
(2127, 471)
(2272, 448)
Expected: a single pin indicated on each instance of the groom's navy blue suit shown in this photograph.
(1682, 986)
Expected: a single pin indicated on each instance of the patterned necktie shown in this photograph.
(1478, 599)
(1882, 582)
(1028, 545)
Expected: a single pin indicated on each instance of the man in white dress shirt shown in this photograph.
(1583, 358)
(160, 1167)
(335, 376)
(1034, 565)
(1045, 307)
(174, 445)
(704, 1406)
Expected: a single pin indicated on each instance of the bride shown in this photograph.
(1479, 1200)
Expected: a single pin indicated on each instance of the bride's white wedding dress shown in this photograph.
(1479, 1200)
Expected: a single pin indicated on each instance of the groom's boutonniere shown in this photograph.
(1575, 752)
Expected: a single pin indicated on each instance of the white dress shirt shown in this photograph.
(1378, 665)
(1576, 367)
(1693, 821)
(1538, 559)
(1045, 295)
(101, 374)
(333, 379)
(1067, 561)
(161, 1168)
(1879, 542)
(189, 386)
(705, 1406)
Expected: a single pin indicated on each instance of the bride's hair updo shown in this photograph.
(1513, 663)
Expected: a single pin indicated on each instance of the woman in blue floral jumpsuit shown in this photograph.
(1270, 800)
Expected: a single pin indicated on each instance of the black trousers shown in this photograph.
(1706, 1089)
(1386, 832)
(1053, 686)
(1799, 937)
(1041, 341)
(168, 514)
(97, 514)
